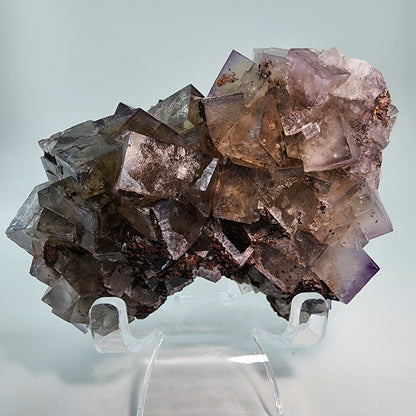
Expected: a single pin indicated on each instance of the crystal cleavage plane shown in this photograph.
(271, 180)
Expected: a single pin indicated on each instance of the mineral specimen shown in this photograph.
(271, 180)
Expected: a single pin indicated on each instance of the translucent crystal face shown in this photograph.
(271, 180)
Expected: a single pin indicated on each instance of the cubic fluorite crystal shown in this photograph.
(271, 180)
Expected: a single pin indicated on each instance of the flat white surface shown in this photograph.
(65, 62)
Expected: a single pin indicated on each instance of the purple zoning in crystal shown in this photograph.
(271, 180)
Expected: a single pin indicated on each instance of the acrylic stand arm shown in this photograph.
(220, 365)
(110, 328)
(307, 323)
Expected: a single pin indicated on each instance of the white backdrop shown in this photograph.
(65, 62)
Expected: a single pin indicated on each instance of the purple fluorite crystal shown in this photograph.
(271, 181)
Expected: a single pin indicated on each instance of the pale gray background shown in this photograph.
(63, 62)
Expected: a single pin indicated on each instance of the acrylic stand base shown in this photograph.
(207, 355)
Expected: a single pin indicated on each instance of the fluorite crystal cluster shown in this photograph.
(271, 180)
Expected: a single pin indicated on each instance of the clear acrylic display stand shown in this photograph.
(208, 353)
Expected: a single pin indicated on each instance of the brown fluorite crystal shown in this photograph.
(270, 180)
